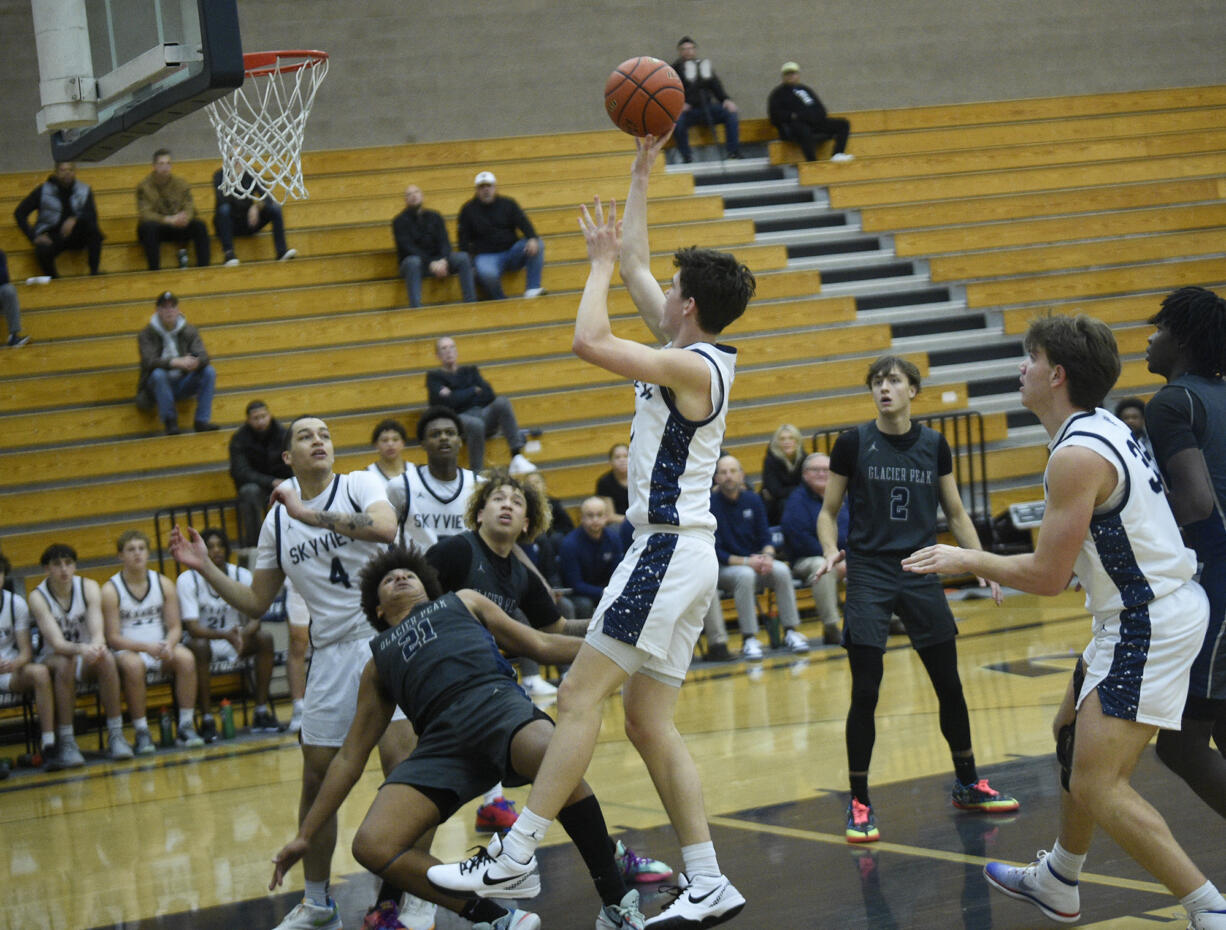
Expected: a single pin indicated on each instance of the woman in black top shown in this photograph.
(781, 470)
(613, 484)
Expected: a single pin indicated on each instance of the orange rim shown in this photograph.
(261, 64)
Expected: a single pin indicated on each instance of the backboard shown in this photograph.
(113, 71)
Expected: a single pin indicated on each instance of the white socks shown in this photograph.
(1204, 898)
(522, 839)
(1065, 864)
(699, 860)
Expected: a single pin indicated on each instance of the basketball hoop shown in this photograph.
(260, 126)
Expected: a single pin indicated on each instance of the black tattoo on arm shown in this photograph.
(347, 523)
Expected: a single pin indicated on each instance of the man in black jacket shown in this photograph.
(174, 364)
(706, 101)
(422, 244)
(798, 114)
(67, 218)
(246, 214)
(489, 230)
(257, 467)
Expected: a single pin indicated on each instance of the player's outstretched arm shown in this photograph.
(371, 719)
(1078, 479)
(517, 638)
(636, 273)
(377, 523)
(189, 549)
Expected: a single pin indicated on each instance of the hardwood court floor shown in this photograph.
(184, 840)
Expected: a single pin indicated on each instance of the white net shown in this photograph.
(260, 126)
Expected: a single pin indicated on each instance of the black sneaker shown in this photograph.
(204, 426)
(265, 721)
(17, 340)
(718, 652)
(208, 729)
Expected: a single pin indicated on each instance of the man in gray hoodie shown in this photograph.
(174, 364)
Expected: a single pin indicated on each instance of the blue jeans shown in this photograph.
(230, 223)
(458, 264)
(490, 266)
(167, 388)
(702, 116)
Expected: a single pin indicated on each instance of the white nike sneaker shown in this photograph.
(490, 873)
(623, 916)
(307, 916)
(514, 920)
(703, 902)
(1037, 884)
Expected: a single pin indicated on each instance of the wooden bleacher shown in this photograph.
(1099, 202)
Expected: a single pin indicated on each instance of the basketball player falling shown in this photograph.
(642, 635)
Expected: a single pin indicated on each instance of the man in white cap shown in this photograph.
(499, 237)
(799, 115)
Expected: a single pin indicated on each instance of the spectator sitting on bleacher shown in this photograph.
(67, 219)
(614, 485)
(589, 555)
(19, 672)
(430, 499)
(561, 523)
(174, 364)
(388, 437)
(489, 230)
(422, 245)
(781, 470)
(257, 466)
(797, 112)
(481, 411)
(799, 525)
(140, 612)
(747, 561)
(68, 611)
(12, 309)
(167, 212)
(234, 215)
(706, 101)
(219, 633)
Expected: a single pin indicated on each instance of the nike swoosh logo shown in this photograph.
(694, 900)
(494, 882)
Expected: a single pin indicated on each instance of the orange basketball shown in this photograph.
(644, 95)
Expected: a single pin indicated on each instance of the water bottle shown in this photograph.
(166, 729)
(773, 631)
(227, 720)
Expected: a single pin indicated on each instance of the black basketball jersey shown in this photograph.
(434, 654)
(464, 561)
(893, 486)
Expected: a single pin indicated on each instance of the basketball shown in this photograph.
(644, 96)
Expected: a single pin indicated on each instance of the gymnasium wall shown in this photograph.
(415, 71)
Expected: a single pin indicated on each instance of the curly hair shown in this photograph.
(1196, 317)
(539, 515)
(1085, 348)
(378, 568)
(720, 285)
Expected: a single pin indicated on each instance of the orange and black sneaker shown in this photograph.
(861, 824)
(982, 797)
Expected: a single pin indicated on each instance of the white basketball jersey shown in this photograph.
(141, 619)
(198, 601)
(1133, 552)
(672, 459)
(375, 470)
(71, 621)
(324, 565)
(14, 617)
(428, 509)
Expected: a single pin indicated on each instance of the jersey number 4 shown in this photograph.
(338, 575)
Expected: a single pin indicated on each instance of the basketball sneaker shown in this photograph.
(861, 824)
(982, 797)
(417, 914)
(499, 816)
(1207, 920)
(622, 916)
(639, 868)
(188, 737)
(1056, 896)
(117, 747)
(703, 902)
(70, 754)
(308, 916)
(490, 873)
(796, 641)
(514, 920)
(208, 728)
(265, 721)
(751, 649)
(144, 743)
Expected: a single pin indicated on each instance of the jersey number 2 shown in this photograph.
(900, 500)
(339, 575)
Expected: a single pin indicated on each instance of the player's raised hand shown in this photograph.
(188, 548)
(285, 493)
(283, 861)
(649, 148)
(602, 234)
